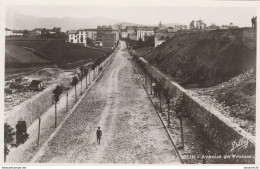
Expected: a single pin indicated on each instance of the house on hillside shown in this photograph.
(8, 32)
(36, 85)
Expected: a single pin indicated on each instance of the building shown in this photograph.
(143, 32)
(91, 34)
(101, 30)
(109, 40)
(17, 33)
(36, 85)
(82, 37)
(78, 36)
(116, 32)
(73, 36)
(161, 36)
(8, 32)
(124, 34)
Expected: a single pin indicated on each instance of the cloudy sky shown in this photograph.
(240, 16)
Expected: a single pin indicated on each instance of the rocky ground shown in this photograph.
(48, 75)
(234, 98)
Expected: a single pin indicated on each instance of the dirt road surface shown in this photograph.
(132, 131)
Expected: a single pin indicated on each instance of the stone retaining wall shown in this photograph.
(223, 133)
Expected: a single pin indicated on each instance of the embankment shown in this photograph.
(224, 134)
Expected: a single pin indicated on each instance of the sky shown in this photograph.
(240, 16)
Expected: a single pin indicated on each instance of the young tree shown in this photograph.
(81, 76)
(56, 96)
(192, 26)
(9, 140)
(167, 96)
(180, 110)
(74, 83)
(86, 75)
(93, 67)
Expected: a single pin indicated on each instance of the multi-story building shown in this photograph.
(109, 40)
(116, 32)
(124, 34)
(91, 34)
(78, 36)
(8, 32)
(144, 32)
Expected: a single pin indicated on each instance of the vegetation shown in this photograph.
(56, 96)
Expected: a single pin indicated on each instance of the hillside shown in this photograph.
(219, 67)
(56, 51)
(208, 58)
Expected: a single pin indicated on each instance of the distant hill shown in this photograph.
(17, 21)
(21, 22)
(124, 24)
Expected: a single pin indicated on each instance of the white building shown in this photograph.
(78, 36)
(8, 32)
(141, 33)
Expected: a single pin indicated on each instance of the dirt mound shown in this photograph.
(205, 59)
(47, 73)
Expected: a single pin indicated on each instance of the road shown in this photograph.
(132, 131)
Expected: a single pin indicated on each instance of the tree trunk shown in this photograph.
(81, 87)
(160, 101)
(86, 81)
(55, 114)
(168, 104)
(89, 77)
(151, 86)
(75, 94)
(182, 139)
(4, 157)
(67, 103)
(93, 74)
(39, 130)
(204, 151)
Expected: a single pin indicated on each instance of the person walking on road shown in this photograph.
(99, 134)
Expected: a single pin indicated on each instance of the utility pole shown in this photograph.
(39, 132)
(67, 102)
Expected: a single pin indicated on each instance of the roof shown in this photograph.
(73, 32)
(35, 83)
(6, 29)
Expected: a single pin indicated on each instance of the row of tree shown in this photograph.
(15, 138)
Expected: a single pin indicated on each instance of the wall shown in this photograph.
(218, 128)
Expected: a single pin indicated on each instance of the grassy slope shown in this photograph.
(59, 51)
(208, 58)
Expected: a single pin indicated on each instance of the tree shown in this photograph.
(192, 26)
(81, 76)
(9, 140)
(86, 74)
(180, 110)
(56, 95)
(74, 83)
(93, 66)
(167, 96)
